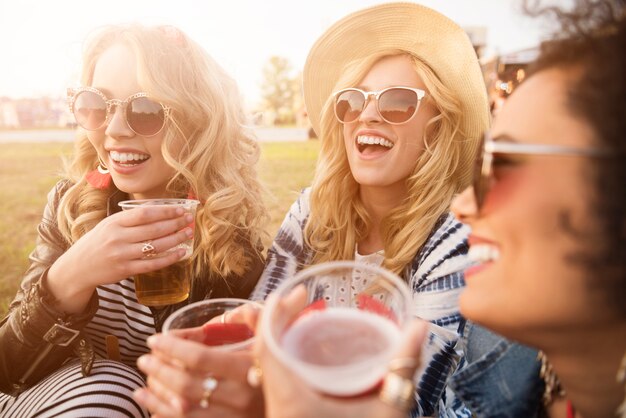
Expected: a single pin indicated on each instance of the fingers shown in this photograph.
(287, 308)
(294, 302)
(247, 314)
(182, 390)
(169, 381)
(397, 394)
(159, 229)
(158, 401)
(152, 264)
(165, 226)
(200, 358)
(192, 334)
(157, 247)
(407, 358)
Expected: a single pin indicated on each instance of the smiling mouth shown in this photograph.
(128, 159)
(482, 253)
(373, 143)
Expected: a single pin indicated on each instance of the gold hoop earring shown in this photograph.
(102, 168)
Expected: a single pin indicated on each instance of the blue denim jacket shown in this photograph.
(500, 378)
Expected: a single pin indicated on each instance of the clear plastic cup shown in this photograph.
(337, 325)
(226, 324)
(171, 284)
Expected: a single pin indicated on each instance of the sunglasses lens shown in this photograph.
(349, 105)
(397, 105)
(90, 110)
(145, 116)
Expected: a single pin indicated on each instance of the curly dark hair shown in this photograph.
(592, 43)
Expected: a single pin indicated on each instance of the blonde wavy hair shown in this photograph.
(338, 219)
(216, 163)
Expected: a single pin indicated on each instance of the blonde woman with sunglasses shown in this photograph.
(157, 118)
(400, 120)
(548, 216)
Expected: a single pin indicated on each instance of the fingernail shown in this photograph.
(179, 211)
(189, 218)
(139, 395)
(144, 362)
(153, 340)
(189, 232)
(176, 404)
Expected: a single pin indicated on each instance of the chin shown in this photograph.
(475, 306)
(497, 318)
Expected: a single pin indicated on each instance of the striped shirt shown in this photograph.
(107, 392)
(435, 295)
(120, 314)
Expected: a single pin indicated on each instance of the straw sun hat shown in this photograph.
(438, 41)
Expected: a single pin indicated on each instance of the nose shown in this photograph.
(117, 127)
(370, 113)
(464, 206)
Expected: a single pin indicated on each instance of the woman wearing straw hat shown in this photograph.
(548, 216)
(396, 96)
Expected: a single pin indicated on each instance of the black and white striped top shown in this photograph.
(108, 390)
(121, 315)
(435, 299)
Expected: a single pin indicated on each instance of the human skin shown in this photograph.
(531, 289)
(111, 251)
(381, 172)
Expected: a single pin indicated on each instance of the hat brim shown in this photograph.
(433, 38)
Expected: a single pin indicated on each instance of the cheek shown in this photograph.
(347, 136)
(96, 139)
(504, 190)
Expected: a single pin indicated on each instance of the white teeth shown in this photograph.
(483, 253)
(373, 140)
(123, 157)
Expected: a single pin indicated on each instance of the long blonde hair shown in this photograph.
(216, 163)
(338, 219)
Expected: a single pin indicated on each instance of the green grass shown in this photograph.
(29, 170)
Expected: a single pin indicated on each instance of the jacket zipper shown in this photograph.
(32, 368)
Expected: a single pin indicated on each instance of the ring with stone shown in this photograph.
(398, 392)
(148, 250)
(255, 374)
(208, 387)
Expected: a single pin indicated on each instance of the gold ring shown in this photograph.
(398, 392)
(402, 363)
(148, 250)
(255, 374)
(208, 387)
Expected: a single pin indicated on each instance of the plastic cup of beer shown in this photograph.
(226, 324)
(171, 284)
(337, 325)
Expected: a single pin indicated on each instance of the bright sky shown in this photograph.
(41, 41)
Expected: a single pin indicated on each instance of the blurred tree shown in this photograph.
(279, 92)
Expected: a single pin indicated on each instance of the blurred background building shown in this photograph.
(281, 103)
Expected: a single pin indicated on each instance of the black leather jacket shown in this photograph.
(35, 338)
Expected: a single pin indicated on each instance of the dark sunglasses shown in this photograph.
(395, 105)
(92, 110)
(484, 173)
